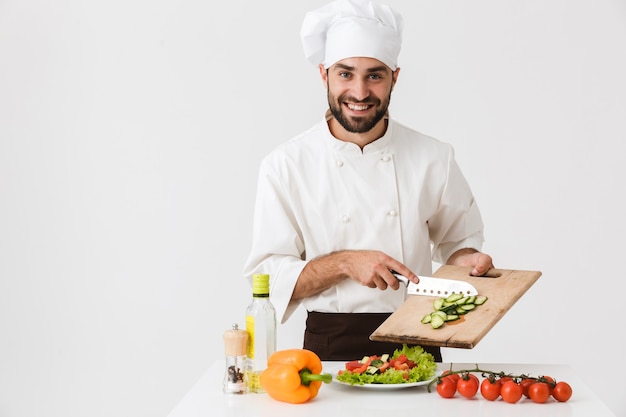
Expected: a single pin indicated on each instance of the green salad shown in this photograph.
(406, 365)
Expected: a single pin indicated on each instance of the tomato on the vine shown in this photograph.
(525, 384)
(475, 378)
(503, 379)
(448, 374)
(490, 389)
(467, 385)
(511, 392)
(562, 391)
(446, 387)
(550, 381)
(539, 392)
(511, 388)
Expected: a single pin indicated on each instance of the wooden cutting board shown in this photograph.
(503, 287)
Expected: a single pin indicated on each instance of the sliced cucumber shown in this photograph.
(480, 300)
(371, 369)
(377, 363)
(451, 308)
(453, 297)
(440, 313)
(437, 321)
(461, 301)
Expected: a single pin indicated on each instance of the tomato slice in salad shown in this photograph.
(352, 365)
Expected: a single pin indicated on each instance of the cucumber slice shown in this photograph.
(447, 309)
(468, 307)
(452, 317)
(427, 318)
(453, 297)
(371, 370)
(438, 303)
(480, 300)
(441, 314)
(461, 301)
(377, 363)
(436, 321)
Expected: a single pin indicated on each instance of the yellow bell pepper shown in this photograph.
(293, 376)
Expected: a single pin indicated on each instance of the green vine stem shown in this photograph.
(464, 373)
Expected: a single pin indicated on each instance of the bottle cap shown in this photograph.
(261, 284)
(235, 341)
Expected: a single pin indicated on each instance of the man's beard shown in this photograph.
(357, 124)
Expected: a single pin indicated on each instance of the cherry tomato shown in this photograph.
(449, 375)
(562, 391)
(504, 379)
(490, 390)
(525, 384)
(475, 378)
(446, 387)
(550, 381)
(467, 385)
(511, 392)
(539, 392)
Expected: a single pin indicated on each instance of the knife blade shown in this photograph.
(437, 287)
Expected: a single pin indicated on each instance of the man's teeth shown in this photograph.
(357, 106)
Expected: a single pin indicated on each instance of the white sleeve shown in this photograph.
(457, 223)
(277, 244)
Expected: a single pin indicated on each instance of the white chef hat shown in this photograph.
(352, 28)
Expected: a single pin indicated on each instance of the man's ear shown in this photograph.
(323, 74)
(395, 77)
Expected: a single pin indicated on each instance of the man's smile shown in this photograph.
(358, 107)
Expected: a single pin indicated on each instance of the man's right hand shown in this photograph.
(369, 268)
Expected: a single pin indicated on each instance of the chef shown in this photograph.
(358, 195)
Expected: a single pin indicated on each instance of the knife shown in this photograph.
(437, 287)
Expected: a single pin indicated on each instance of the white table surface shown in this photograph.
(206, 398)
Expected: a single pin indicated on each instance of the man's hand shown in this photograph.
(480, 262)
(369, 268)
(373, 269)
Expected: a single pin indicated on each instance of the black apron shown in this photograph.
(345, 336)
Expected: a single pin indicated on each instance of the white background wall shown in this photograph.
(130, 137)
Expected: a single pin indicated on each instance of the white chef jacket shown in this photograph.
(403, 194)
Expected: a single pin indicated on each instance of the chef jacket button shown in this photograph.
(385, 158)
(392, 213)
(339, 164)
(345, 218)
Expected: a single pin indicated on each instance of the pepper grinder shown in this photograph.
(235, 344)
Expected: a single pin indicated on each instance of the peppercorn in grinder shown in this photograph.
(235, 345)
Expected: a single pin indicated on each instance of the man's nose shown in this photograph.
(360, 90)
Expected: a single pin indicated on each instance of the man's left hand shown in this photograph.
(480, 262)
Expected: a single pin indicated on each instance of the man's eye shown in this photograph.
(375, 76)
(344, 74)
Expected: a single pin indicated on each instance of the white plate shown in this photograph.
(387, 386)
